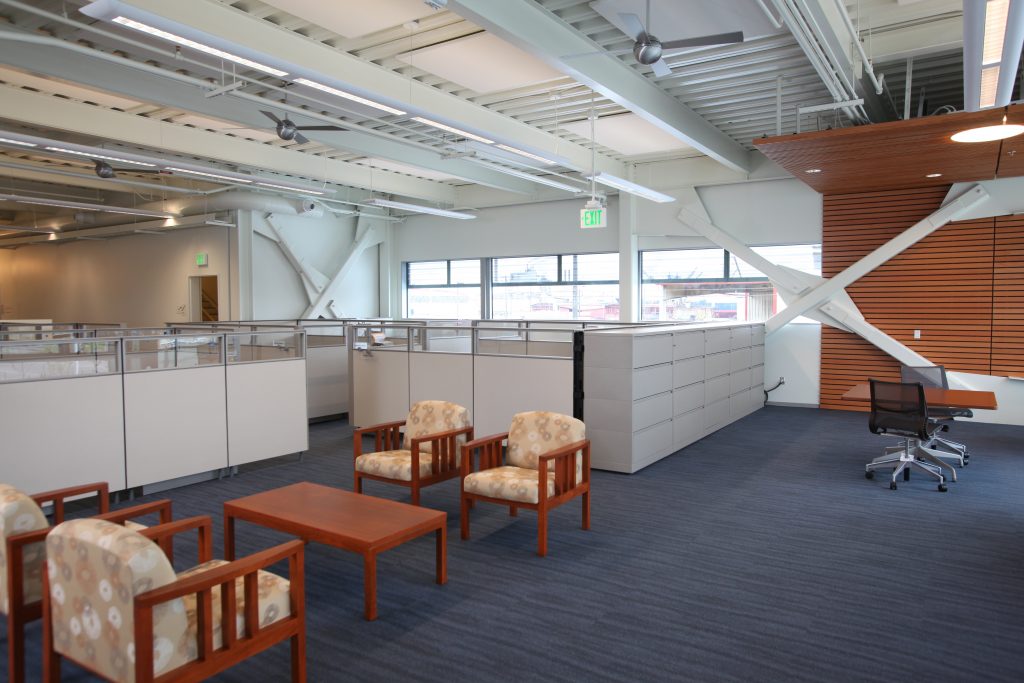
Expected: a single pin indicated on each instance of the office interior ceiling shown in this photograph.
(435, 60)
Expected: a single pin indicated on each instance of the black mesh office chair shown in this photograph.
(900, 410)
(935, 376)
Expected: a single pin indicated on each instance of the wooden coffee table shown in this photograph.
(351, 521)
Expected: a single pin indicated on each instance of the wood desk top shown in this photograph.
(936, 396)
(335, 517)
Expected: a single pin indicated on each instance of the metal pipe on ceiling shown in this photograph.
(879, 84)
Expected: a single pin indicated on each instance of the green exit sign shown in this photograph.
(202, 259)
(593, 218)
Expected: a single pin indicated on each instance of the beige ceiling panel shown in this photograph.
(232, 127)
(399, 167)
(65, 89)
(354, 18)
(482, 62)
(629, 134)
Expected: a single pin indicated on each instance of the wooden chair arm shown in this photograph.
(564, 451)
(215, 576)
(163, 534)
(15, 565)
(17, 542)
(59, 496)
(386, 436)
(563, 460)
(163, 507)
(490, 450)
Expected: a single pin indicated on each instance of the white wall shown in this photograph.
(322, 242)
(140, 280)
(794, 353)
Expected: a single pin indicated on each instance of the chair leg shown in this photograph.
(586, 510)
(15, 647)
(299, 656)
(513, 511)
(542, 533)
(358, 483)
(467, 504)
(415, 495)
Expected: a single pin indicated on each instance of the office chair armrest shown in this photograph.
(489, 449)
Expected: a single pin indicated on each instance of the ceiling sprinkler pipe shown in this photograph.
(879, 87)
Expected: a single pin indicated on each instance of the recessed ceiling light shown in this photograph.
(989, 133)
(813, 170)
(933, 175)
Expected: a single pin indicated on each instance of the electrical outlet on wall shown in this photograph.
(917, 334)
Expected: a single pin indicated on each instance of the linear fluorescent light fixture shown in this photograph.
(631, 187)
(205, 174)
(453, 129)
(536, 178)
(60, 203)
(348, 96)
(92, 155)
(201, 47)
(528, 155)
(418, 208)
(285, 187)
(22, 228)
(7, 141)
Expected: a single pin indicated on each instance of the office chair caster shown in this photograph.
(943, 488)
(869, 474)
(892, 485)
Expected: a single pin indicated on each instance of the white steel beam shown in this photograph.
(38, 109)
(299, 54)
(313, 281)
(369, 232)
(954, 210)
(537, 30)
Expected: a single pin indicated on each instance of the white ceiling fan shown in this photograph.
(650, 51)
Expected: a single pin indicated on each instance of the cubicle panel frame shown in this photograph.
(327, 378)
(264, 424)
(441, 377)
(506, 385)
(193, 441)
(62, 432)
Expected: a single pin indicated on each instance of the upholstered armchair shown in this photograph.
(425, 452)
(23, 530)
(544, 463)
(114, 605)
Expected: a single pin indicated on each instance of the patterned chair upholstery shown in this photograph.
(433, 434)
(23, 530)
(546, 463)
(96, 572)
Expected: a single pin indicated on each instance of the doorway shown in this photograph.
(203, 303)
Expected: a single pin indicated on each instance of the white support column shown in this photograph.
(630, 306)
(369, 232)
(950, 212)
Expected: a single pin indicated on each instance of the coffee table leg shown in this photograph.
(442, 555)
(229, 537)
(370, 586)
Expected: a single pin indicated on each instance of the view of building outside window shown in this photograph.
(567, 287)
(711, 284)
(443, 289)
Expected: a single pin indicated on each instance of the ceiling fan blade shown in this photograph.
(270, 116)
(660, 69)
(699, 41)
(300, 138)
(318, 128)
(634, 27)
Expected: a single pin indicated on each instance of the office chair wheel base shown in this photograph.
(943, 488)
(869, 475)
(892, 485)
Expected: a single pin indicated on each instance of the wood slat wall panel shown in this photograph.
(962, 287)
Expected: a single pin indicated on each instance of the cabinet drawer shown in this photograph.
(688, 344)
(613, 416)
(716, 389)
(757, 375)
(652, 380)
(740, 337)
(653, 441)
(757, 354)
(739, 381)
(652, 349)
(611, 383)
(649, 411)
(757, 335)
(716, 364)
(739, 359)
(687, 428)
(716, 341)
(687, 398)
(687, 371)
(716, 414)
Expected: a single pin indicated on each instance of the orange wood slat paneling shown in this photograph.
(962, 287)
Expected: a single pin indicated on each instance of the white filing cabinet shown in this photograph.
(650, 391)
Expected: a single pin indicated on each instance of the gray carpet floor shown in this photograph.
(760, 553)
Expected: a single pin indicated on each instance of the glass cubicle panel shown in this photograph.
(22, 361)
(252, 347)
(168, 353)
